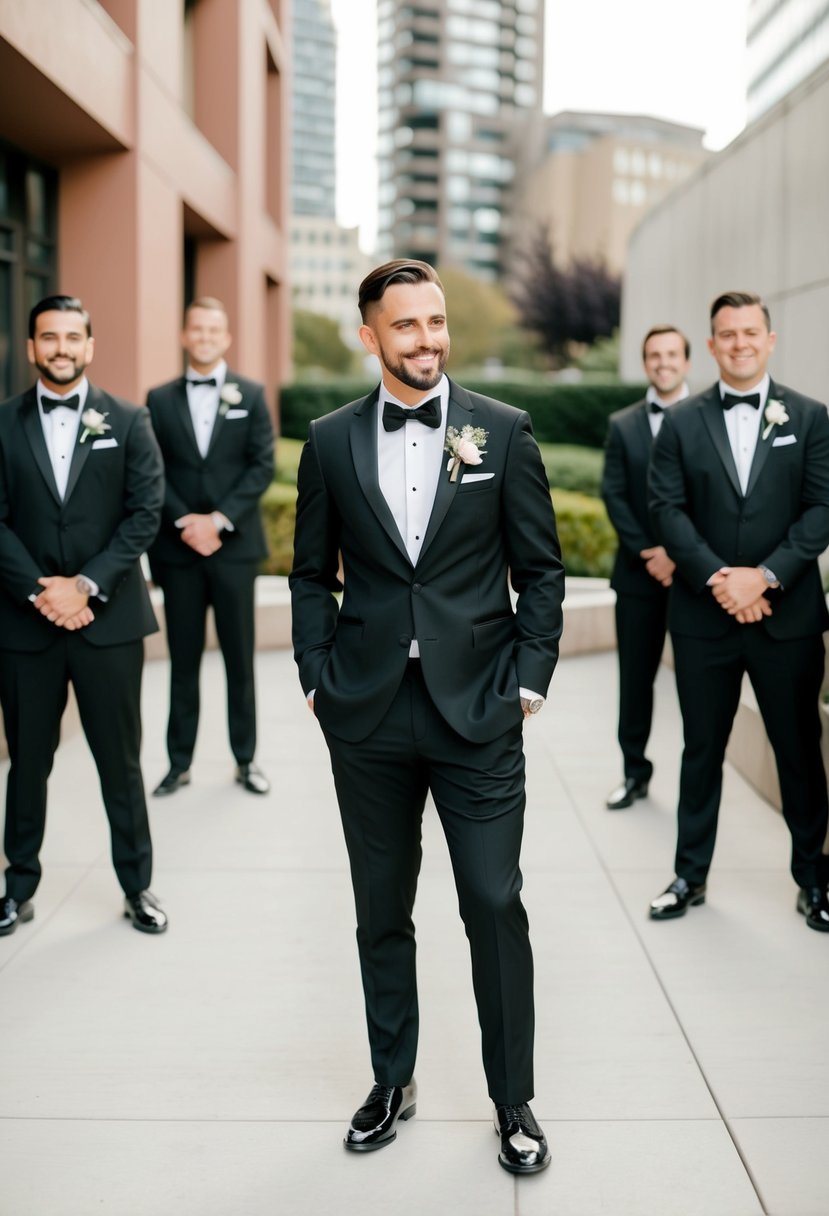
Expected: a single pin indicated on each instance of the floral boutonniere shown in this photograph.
(94, 423)
(775, 416)
(465, 446)
(230, 395)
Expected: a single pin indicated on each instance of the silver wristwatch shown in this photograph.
(769, 575)
(532, 706)
(83, 585)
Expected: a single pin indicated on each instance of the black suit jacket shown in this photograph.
(625, 493)
(108, 517)
(475, 651)
(231, 478)
(705, 521)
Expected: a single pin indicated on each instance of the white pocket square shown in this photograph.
(104, 443)
(476, 477)
(782, 440)
(231, 414)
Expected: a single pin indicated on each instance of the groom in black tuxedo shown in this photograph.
(643, 570)
(435, 500)
(739, 492)
(80, 496)
(216, 438)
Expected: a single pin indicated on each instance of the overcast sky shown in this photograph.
(682, 60)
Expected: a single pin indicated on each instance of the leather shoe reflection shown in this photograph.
(374, 1125)
(252, 778)
(174, 780)
(625, 794)
(523, 1144)
(813, 903)
(13, 914)
(676, 899)
(145, 912)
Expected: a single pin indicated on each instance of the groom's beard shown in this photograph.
(410, 376)
(60, 376)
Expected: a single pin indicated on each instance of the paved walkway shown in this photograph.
(682, 1069)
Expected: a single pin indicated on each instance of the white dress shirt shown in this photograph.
(742, 424)
(60, 430)
(652, 397)
(203, 400)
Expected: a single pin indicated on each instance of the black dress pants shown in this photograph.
(478, 790)
(33, 693)
(640, 635)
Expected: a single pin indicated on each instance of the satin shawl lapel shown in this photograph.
(181, 409)
(95, 400)
(712, 415)
(33, 429)
(363, 438)
(761, 452)
(643, 428)
(219, 422)
(460, 415)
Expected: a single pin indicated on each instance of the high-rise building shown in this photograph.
(457, 80)
(314, 101)
(787, 40)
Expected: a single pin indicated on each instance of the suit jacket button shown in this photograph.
(405, 641)
(416, 588)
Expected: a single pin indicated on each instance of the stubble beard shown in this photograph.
(425, 380)
(65, 377)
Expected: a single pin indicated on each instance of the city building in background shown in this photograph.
(143, 161)
(592, 177)
(457, 80)
(752, 218)
(786, 41)
(325, 260)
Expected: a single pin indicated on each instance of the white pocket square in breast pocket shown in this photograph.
(782, 440)
(231, 414)
(467, 477)
(104, 443)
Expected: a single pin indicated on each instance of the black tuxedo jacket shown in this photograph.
(108, 517)
(475, 651)
(705, 521)
(625, 493)
(231, 478)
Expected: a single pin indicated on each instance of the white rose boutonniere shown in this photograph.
(464, 447)
(230, 395)
(94, 423)
(775, 415)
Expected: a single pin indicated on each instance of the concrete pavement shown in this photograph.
(682, 1069)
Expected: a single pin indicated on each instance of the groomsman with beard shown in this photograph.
(643, 570)
(739, 493)
(216, 438)
(81, 486)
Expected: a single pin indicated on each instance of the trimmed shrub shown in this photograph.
(279, 513)
(561, 413)
(573, 468)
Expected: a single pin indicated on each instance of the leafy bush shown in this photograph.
(588, 540)
(279, 511)
(561, 413)
(573, 468)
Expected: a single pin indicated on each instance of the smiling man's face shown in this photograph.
(61, 349)
(742, 344)
(407, 332)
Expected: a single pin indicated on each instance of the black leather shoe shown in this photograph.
(145, 912)
(375, 1124)
(12, 914)
(676, 899)
(174, 780)
(626, 794)
(813, 903)
(523, 1144)
(253, 779)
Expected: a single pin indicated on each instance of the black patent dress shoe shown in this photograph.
(374, 1125)
(676, 899)
(253, 779)
(174, 780)
(626, 794)
(813, 903)
(13, 914)
(523, 1144)
(145, 912)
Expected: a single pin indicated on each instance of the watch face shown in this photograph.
(535, 705)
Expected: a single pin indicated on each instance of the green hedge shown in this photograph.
(588, 542)
(561, 413)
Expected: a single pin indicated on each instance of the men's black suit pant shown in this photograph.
(478, 790)
(33, 693)
(640, 636)
(188, 592)
(786, 677)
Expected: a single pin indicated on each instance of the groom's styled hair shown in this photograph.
(59, 303)
(401, 270)
(739, 299)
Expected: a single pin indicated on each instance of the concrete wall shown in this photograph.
(752, 218)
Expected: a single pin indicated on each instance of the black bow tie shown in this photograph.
(51, 403)
(199, 383)
(729, 399)
(656, 408)
(395, 415)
